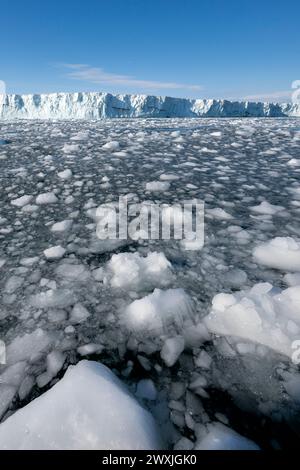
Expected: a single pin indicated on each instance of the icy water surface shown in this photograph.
(75, 302)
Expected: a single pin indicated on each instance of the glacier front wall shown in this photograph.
(105, 105)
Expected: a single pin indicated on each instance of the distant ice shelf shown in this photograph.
(105, 105)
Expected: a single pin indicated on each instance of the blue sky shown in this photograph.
(194, 48)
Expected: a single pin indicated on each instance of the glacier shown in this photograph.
(97, 105)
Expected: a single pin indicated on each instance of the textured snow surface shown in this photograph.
(279, 253)
(88, 409)
(105, 105)
(132, 271)
(199, 337)
(263, 315)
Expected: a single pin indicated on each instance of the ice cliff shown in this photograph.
(105, 105)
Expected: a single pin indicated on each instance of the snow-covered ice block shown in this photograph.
(218, 213)
(134, 272)
(279, 253)
(112, 145)
(54, 252)
(171, 350)
(69, 148)
(22, 201)
(157, 186)
(46, 198)
(29, 261)
(292, 279)
(261, 315)
(65, 174)
(63, 226)
(294, 162)
(72, 272)
(52, 298)
(28, 346)
(13, 283)
(79, 313)
(266, 208)
(55, 361)
(159, 310)
(89, 408)
(221, 437)
(168, 177)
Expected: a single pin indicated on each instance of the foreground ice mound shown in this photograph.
(220, 437)
(88, 409)
(97, 105)
(158, 311)
(262, 315)
(279, 253)
(132, 271)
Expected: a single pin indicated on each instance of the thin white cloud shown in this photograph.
(97, 75)
(273, 96)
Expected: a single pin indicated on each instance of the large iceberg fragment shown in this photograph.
(89, 408)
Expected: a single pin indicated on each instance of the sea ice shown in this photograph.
(22, 201)
(266, 208)
(157, 186)
(221, 437)
(279, 253)
(54, 252)
(65, 174)
(134, 272)
(46, 198)
(63, 226)
(262, 315)
(88, 409)
(171, 350)
(157, 311)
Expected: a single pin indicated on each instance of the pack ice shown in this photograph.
(207, 339)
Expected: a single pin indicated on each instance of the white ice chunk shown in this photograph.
(112, 145)
(72, 272)
(157, 186)
(260, 315)
(70, 148)
(79, 313)
(22, 201)
(172, 349)
(168, 177)
(55, 361)
(279, 253)
(218, 213)
(57, 298)
(65, 174)
(28, 346)
(292, 279)
(221, 437)
(155, 312)
(46, 198)
(266, 208)
(89, 408)
(134, 272)
(54, 252)
(63, 226)
(13, 283)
